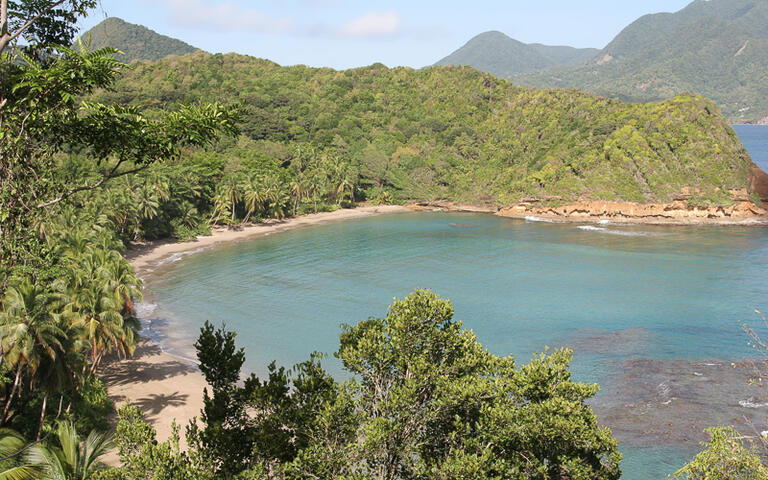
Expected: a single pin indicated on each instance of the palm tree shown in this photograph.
(298, 187)
(253, 196)
(22, 462)
(28, 332)
(73, 458)
(94, 300)
(220, 204)
(315, 186)
(121, 280)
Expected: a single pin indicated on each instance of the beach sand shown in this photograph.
(164, 387)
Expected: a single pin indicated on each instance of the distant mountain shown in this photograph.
(135, 41)
(716, 48)
(496, 53)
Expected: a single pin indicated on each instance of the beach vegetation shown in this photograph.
(423, 400)
(726, 456)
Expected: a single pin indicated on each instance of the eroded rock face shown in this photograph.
(676, 211)
(758, 183)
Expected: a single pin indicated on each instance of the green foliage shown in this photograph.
(726, 457)
(92, 406)
(20, 464)
(717, 48)
(424, 400)
(496, 53)
(135, 42)
(446, 133)
(143, 457)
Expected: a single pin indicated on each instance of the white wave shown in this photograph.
(178, 256)
(538, 219)
(604, 222)
(751, 404)
(622, 233)
(145, 310)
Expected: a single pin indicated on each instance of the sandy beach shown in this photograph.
(164, 387)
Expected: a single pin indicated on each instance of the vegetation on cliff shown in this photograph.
(457, 134)
(79, 179)
(716, 48)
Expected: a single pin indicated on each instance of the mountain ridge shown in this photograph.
(495, 52)
(715, 48)
(136, 42)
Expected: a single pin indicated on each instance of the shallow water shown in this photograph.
(651, 312)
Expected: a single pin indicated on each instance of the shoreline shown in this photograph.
(595, 212)
(143, 256)
(167, 388)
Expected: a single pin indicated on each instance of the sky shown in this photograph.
(345, 33)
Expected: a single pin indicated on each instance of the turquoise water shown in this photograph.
(651, 312)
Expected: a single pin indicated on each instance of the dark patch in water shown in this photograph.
(631, 341)
(463, 225)
(672, 402)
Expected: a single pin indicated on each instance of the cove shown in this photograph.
(651, 312)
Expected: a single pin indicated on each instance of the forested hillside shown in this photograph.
(715, 48)
(135, 41)
(496, 53)
(455, 133)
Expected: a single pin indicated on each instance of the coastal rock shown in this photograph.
(678, 211)
(758, 183)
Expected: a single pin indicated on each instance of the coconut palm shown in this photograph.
(28, 332)
(21, 463)
(94, 299)
(73, 458)
(298, 188)
(121, 280)
(253, 196)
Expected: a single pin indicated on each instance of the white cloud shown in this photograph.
(227, 16)
(373, 24)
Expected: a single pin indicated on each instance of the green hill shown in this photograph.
(496, 53)
(135, 41)
(459, 134)
(716, 48)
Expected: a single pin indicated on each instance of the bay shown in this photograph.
(652, 313)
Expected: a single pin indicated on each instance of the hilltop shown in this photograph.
(496, 53)
(714, 48)
(457, 134)
(135, 41)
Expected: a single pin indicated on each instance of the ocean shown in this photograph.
(652, 313)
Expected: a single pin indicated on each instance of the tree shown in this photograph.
(74, 458)
(434, 402)
(726, 457)
(143, 457)
(29, 333)
(40, 116)
(425, 401)
(226, 437)
(20, 461)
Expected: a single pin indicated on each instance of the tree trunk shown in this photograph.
(13, 392)
(42, 415)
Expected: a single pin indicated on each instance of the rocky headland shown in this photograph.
(746, 207)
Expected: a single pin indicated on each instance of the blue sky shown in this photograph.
(345, 33)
